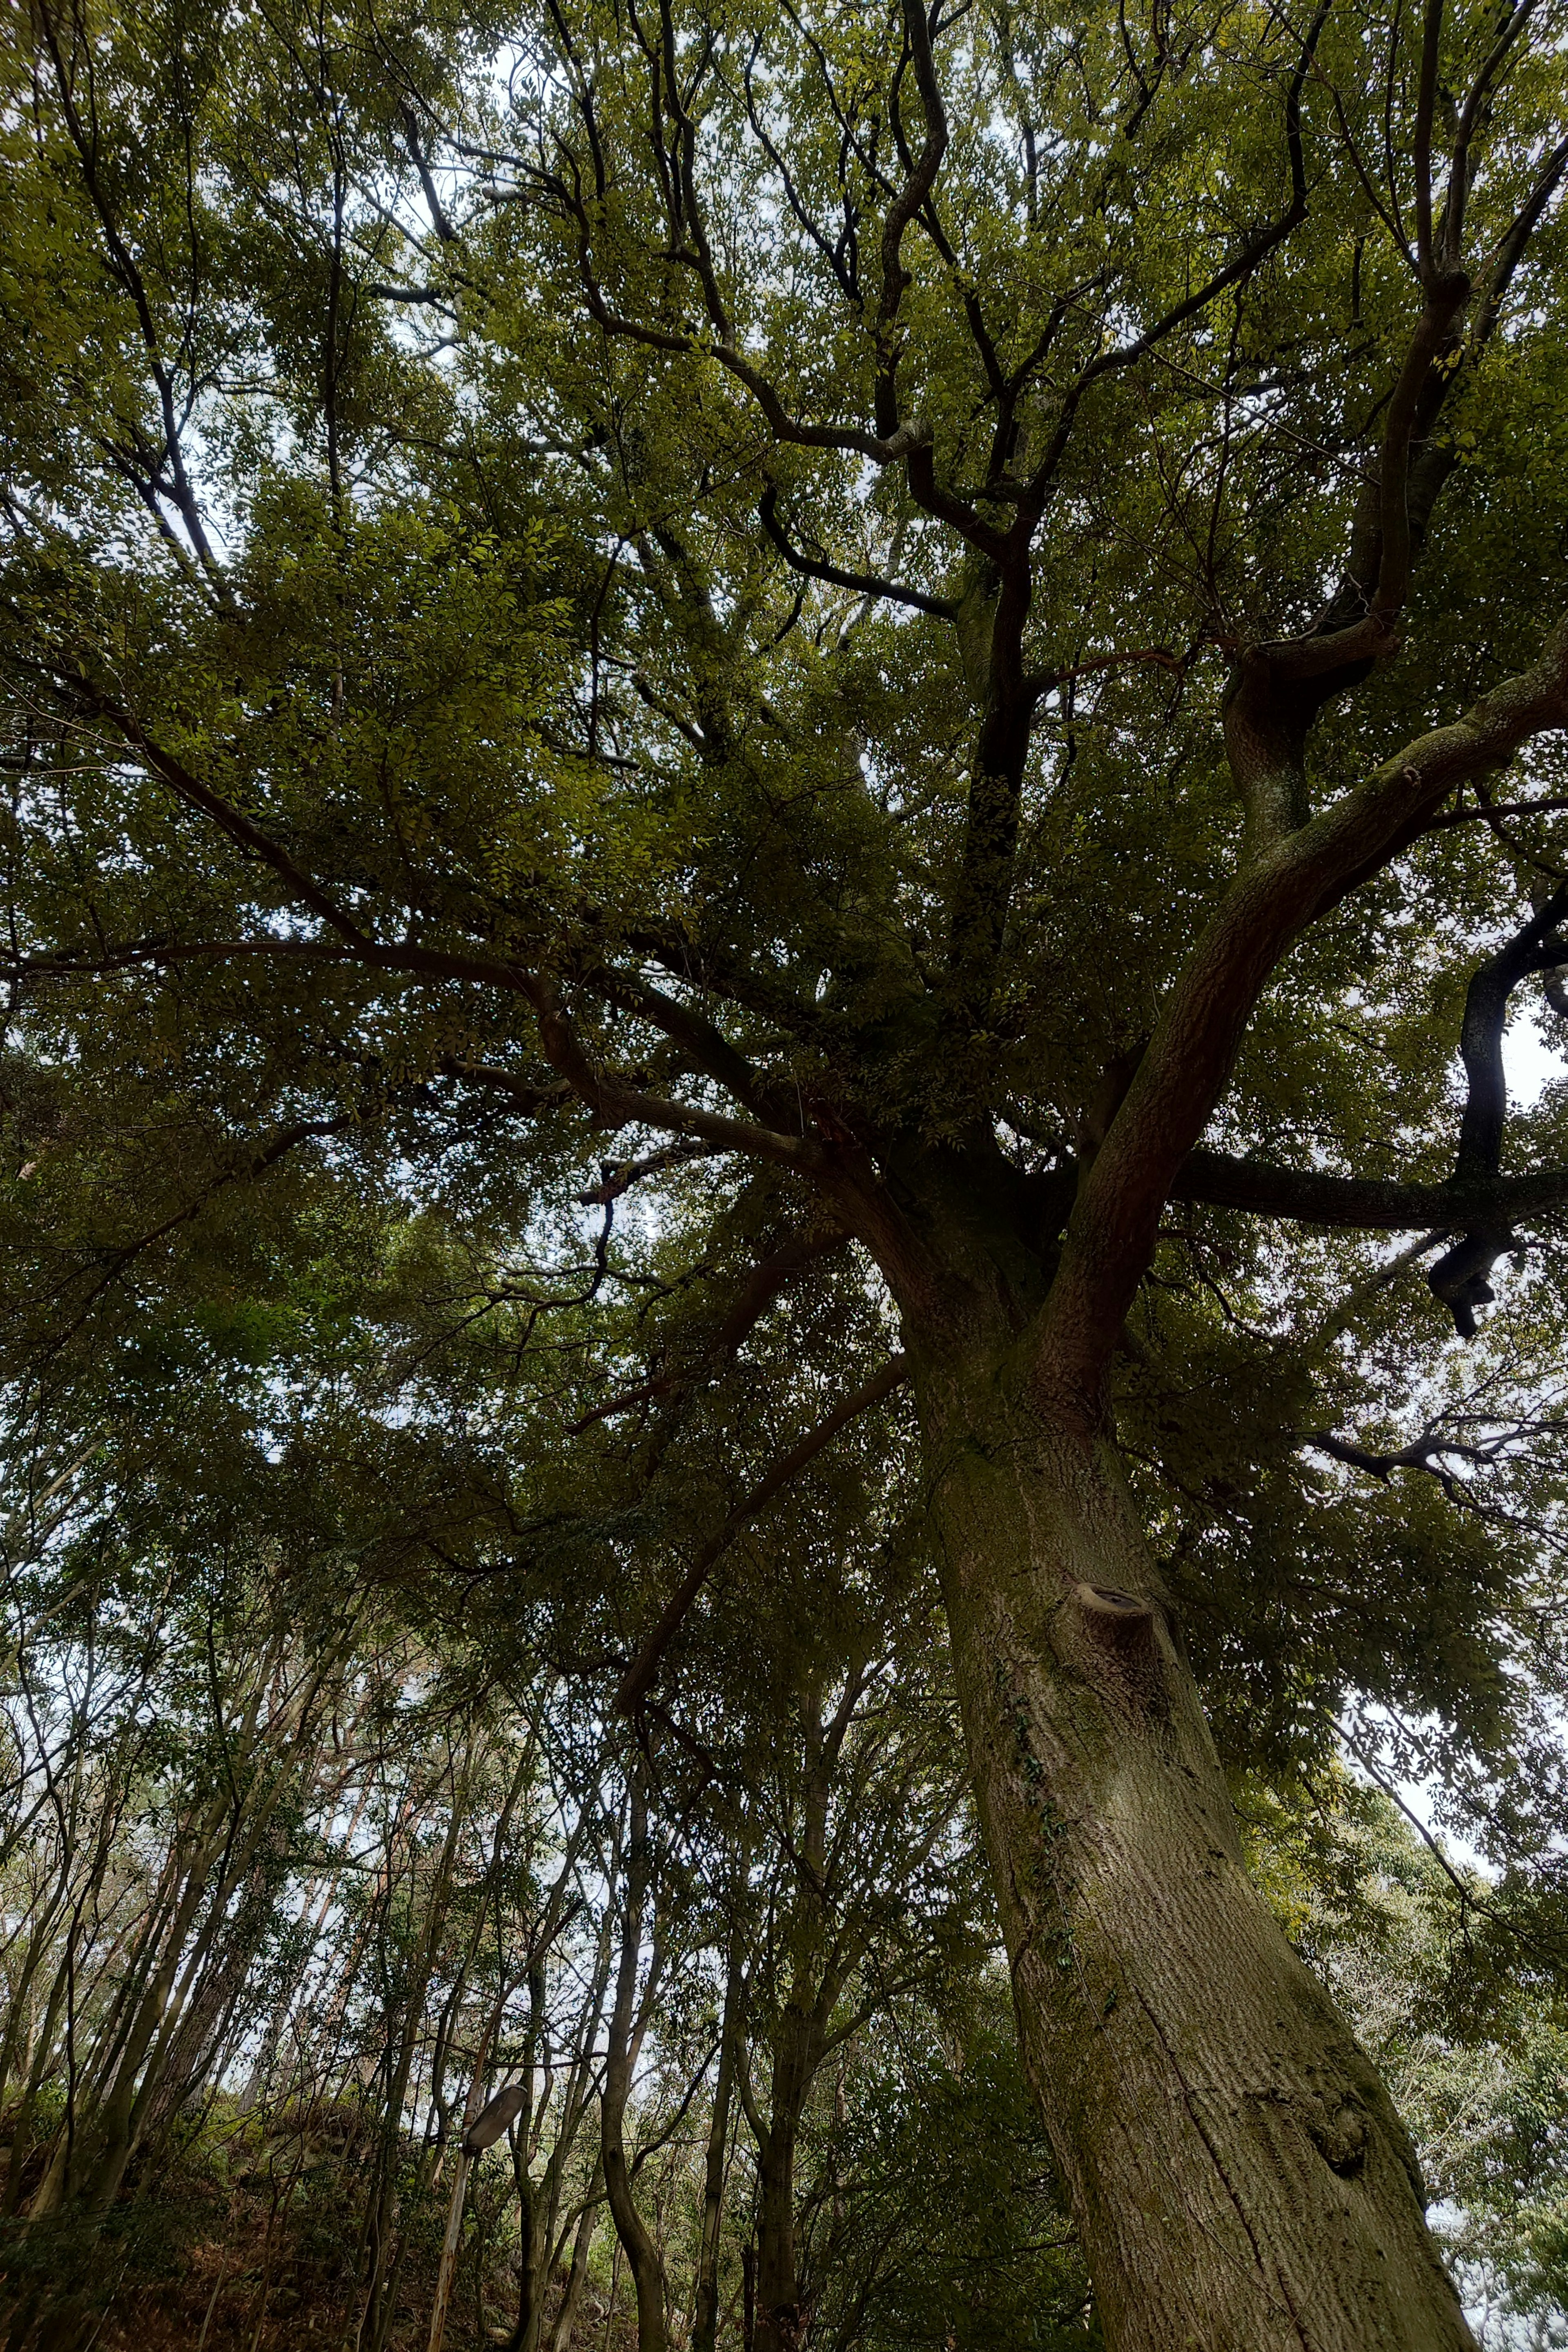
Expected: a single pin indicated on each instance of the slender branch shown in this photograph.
(1253, 254)
(1493, 809)
(619, 1176)
(615, 1101)
(232, 821)
(641, 1675)
(864, 583)
(756, 1295)
(1471, 117)
(1426, 97)
(905, 206)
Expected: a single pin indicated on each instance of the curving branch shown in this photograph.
(1460, 1277)
(864, 583)
(1111, 1234)
(1242, 265)
(905, 206)
(641, 1675)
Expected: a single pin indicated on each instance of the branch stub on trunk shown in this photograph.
(1120, 1631)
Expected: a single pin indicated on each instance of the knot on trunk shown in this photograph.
(1119, 1627)
(1339, 2133)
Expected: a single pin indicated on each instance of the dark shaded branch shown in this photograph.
(756, 1295)
(1538, 945)
(438, 220)
(1366, 1204)
(1425, 98)
(909, 201)
(1472, 115)
(709, 1049)
(1491, 809)
(1253, 254)
(1421, 1453)
(1112, 1231)
(1460, 1276)
(616, 1102)
(285, 1141)
(864, 583)
(230, 820)
(619, 1176)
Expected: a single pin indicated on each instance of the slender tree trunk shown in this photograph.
(705, 2323)
(577, 2276)
(1240, 2179)
(524, 2337)
(778, 2327)
(447, 2268)
(637, 2240)
(473, 2107)
(379, 2234)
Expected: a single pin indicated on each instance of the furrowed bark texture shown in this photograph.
(1239, 2176)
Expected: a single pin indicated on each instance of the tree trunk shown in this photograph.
(524, 2337)
(705, 2322)
(777, 2323)
(577, 2276)
(620, 2059)
(1239, 2176)
(445, 2269)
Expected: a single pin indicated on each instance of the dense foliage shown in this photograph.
(712, 712)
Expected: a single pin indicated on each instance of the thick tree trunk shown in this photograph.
(1239, 2176)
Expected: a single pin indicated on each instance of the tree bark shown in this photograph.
(451, 2239)
(1238, 2174)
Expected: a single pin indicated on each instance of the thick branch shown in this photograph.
(1111, 1234)
(1366, 1204)
(1460, 1277)
(1537, 946)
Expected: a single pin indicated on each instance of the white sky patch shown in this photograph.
(1530, 1062)
(1422, 1797)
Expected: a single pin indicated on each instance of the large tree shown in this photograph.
(920, 616)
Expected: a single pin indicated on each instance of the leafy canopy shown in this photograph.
(604, 604)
